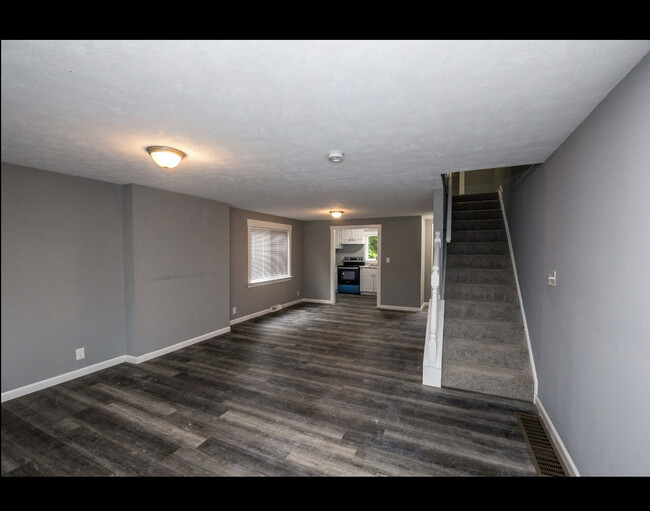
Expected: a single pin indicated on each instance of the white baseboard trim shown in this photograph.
(399, 308)
(55, 380)
(158, 353)
(250, 316)
(563, 452)
(266, 311)
(521, 301)
(77, 373)
(315, 300)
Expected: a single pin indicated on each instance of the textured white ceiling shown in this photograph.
(257, 118)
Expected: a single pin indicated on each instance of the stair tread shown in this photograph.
(510, 383)
(471, 301)
(475, 220)
(482, 292)
(483, 256)
(477, 276)
(502, 242)
(479, 272)
(475, 197)
(478, 247)
(491, 344)
(470, 268)
(479, 261)
(475, 301)
(496, 208)
(489, 321)
(472, 230)
(495, 371)
(479, 219)
(488, 285)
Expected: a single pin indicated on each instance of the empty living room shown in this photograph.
(325, 259)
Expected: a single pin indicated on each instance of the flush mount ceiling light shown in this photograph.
(335, 156)
(336, 214)
(165, 157)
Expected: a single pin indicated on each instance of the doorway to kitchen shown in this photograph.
(355, 246)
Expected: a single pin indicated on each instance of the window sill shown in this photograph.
(272, 281)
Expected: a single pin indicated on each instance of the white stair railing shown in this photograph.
(432, 367)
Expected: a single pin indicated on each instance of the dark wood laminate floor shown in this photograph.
(311, 390)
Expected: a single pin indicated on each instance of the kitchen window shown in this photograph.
(371, 248)
(269, 252)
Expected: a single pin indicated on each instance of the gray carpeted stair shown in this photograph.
(484, 347)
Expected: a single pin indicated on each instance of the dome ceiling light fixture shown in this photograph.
(336, 213)
(335, 156)
(165, 157)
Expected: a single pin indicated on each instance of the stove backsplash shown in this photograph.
(349, 251)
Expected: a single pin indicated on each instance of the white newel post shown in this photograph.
(433, 360)
(432, 348)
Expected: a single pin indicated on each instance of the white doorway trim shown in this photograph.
(333, 273)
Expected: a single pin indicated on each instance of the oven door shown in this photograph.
(349, 275)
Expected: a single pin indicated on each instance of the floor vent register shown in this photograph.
(542, 451)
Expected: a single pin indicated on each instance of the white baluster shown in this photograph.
(432, 350)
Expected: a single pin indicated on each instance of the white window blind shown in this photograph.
(269, 251)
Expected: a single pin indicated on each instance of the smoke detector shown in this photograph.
(335, 156)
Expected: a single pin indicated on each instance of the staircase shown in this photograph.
(485, 348)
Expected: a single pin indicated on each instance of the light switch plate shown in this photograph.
(552, 278)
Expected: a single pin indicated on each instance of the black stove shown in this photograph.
(349, 275)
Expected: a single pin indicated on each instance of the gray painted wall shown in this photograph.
(177, 268)
(401, 239)
(255, 299)
(584, 213)
(489, 180)
(61, 274)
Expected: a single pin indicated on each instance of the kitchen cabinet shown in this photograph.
(337, 238)
(369, 280)
(352, 236)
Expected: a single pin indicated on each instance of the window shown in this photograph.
(371, 247)
(269, 252)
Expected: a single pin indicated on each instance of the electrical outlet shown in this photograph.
(552, 278)
(388, 259)
(80, 353)
(297, 293)
(234, 310)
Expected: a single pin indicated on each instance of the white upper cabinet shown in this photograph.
(350, 236)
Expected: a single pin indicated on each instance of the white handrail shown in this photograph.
(434, 353)
(449, 194)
